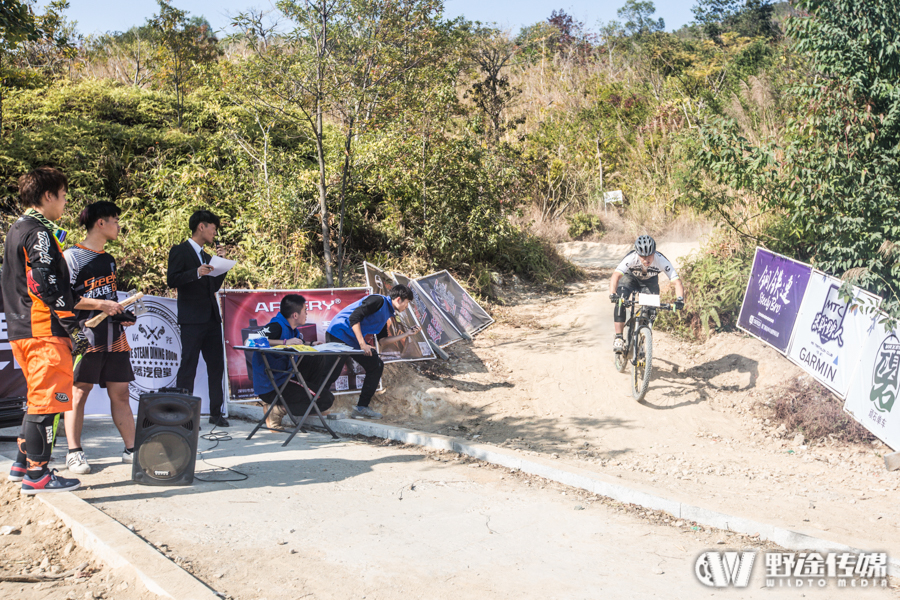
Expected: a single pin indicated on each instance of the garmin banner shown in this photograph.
(247, 311)
(437, 328)
(875, 385)
(406, 349)
(155, 341)
(458, 306)
(829, 331)
(773, 297)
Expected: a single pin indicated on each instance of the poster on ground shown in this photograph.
(830, 331)
(773, 297)
(407, 349)
(875, 385)
(155, 341)
(247, 311)
(458, 306)
(437, 328)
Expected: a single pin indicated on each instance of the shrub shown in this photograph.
(583, 224)
(805, 406)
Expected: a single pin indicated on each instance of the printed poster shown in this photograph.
(874, 387)
(437, 328)
(12, 382)
(407, 349)
(829, 331)
(773, 298)
(155, 341)
(247, 311)
(459, 308)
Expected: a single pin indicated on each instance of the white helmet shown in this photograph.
(645, 246)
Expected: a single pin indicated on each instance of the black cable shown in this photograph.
(221, 436)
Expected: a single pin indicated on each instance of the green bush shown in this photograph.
(583, 224)
(714, 284)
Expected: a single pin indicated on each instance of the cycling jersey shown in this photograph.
(660, 264)
(35, 278)
(93, 276)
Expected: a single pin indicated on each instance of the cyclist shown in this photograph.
(639, 272)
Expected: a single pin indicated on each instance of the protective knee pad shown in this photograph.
(39, 433)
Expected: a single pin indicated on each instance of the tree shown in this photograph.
(17, 24)
(638, 17)
(184, 45)
(491, 52)
(747, 18)
(836, 177)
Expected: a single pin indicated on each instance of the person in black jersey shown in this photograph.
(108, 361)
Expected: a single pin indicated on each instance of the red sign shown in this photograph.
(246, 311)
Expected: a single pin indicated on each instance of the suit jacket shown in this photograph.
(196, 295)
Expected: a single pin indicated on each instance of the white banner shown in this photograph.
(155, 342)
(872, 397)
(829, 332)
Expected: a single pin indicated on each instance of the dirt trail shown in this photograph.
(542, 380)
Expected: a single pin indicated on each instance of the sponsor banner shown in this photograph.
(247, 311)
(12, 382)
(829, 331)
(434, 325)
(773, 298)
(155, 341)
(458, 306)
(407, 349)
(875, 385)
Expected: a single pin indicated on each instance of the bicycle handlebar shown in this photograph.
(627, 303)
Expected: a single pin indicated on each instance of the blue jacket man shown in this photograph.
(284, 328)
(368, 316)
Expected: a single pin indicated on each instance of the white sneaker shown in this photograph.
(128, 457)
(77, 463)
(619, 345)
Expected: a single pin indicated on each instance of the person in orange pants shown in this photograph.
(40, 324)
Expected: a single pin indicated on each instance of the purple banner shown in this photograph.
(773, 297)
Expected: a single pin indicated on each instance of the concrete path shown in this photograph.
(356, 519)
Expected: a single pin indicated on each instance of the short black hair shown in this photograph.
(401, 291)
(95, 211)
(292, 303)
(33, 185)
(202, 216)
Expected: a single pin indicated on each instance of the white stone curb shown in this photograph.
(119, 547)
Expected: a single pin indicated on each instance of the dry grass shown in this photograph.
(805, 406)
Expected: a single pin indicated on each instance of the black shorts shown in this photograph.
(104, 367)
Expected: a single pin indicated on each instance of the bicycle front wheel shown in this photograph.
(643, 359)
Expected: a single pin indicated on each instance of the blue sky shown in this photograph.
(98, 16)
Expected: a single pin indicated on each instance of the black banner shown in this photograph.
(457, 306)
(12, 382)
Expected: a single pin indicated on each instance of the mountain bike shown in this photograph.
(639, 317)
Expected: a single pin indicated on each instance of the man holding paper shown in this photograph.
(191, 273)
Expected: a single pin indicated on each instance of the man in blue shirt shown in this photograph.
(368, 316)
(284, 328)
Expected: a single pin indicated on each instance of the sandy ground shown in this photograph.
(40, 553)
(542, 380)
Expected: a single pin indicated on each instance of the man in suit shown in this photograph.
(198, 311)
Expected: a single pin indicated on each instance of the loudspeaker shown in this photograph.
(165, 441)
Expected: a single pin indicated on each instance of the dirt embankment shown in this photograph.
(541, 380)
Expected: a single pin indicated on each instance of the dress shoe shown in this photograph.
(219, 421)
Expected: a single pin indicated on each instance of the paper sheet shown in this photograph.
(220, 265)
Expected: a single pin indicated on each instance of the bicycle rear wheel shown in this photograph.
(640, 369)
(621, 358)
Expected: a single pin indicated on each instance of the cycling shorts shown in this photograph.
(47, 366)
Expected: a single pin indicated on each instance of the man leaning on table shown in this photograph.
(371, 315)
(284, 329)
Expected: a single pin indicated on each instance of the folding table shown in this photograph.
(294, 359)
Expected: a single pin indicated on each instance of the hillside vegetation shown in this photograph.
(330, 132)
